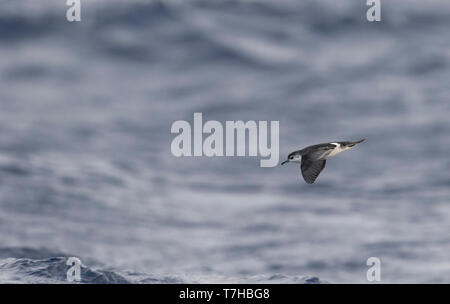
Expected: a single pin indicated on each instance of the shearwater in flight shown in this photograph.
(314, 158)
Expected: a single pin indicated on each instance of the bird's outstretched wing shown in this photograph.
(311, 169)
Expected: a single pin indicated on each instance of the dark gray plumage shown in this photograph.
(314, 158)
(311, 169)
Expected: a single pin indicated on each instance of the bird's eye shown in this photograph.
(291, 157)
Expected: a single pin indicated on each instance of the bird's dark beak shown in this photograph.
(286, 161)
(354, 143)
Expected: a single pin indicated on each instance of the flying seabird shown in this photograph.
(314, 158)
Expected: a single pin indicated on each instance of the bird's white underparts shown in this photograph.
(236, 142)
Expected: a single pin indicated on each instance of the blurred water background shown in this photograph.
(85, 163)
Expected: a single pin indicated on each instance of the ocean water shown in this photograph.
(86, 169)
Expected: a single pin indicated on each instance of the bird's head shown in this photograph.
(294, 157)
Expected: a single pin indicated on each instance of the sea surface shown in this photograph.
(86, 168)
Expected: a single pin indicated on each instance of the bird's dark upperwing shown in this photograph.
(311, 168)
